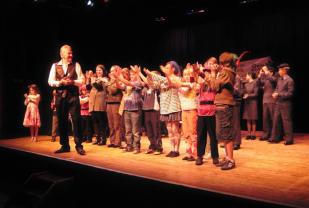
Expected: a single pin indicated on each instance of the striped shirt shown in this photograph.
(169, 99)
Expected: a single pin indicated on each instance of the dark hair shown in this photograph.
(227, 59)
(101, 66)
(251, 74)
(34, 87)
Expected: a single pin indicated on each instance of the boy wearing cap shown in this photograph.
(283, 107)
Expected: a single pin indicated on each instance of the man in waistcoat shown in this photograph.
(66, 76)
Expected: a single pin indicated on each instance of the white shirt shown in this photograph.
(52, 75)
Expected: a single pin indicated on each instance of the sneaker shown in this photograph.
(157, 152)
(199, 161)
(228, 165)
(221, 162)
(149, 151)
(127, 149)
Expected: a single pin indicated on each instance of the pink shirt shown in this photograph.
(206, 106)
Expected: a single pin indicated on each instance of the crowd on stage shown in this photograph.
(197, 102)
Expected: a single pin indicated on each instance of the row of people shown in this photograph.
(204, 100)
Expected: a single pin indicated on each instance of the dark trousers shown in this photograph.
(54, 132)
(268, 115)
(99, 120)
(87, 127)
(283, 112)
(152, 124)
(206, 124)
(236, 123)
(65, 105)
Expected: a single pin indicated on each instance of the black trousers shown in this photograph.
(65, 106)
(236, 123)
(87, 128)
(268, 116)
(99, 120)
(207, 124)
(152, 124)
(283, 113)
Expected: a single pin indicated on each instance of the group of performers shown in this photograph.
(197, 101)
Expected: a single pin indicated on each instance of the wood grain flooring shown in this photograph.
(268, 172)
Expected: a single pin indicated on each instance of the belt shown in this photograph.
(207, 102)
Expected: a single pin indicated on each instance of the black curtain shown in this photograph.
(31, 37)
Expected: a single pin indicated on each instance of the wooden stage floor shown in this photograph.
(266, 172)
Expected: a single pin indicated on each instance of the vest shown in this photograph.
(71, 73)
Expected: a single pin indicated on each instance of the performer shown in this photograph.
(67, 76)
(55, 117)
(224, 101)
(32, 115)
(170, 108)
(250, 113)
(268, 84)
(283, 108)
(206, 122)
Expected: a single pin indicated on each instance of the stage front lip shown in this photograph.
(182, 176)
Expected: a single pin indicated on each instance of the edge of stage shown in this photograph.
(267, 175)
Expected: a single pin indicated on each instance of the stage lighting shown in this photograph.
(160, 19)
(89, 3)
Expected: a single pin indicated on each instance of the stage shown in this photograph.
(270, 173)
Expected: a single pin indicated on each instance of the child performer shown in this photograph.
(32, 115)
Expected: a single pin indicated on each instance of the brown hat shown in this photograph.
(284, 65)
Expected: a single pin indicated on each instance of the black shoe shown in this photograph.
(236, 147)
(111, 145)
(252, 137)
(215, 161)
(53, 139)
(263, 139)
(170, 154)
(199, 161)
(273, 141)
(80, 151)
(248, 137)
(63, 150)
(191, 158)
(186, 158)
(88, 141)
(288, 142)
(101, 143)
(175, 154)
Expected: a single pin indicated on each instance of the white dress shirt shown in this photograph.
(52, 75)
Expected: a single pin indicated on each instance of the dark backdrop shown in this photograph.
(31, 35)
